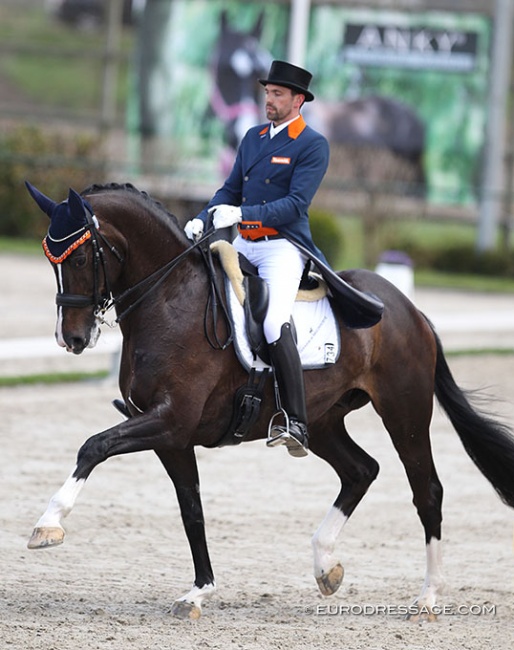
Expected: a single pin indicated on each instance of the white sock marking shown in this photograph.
(61, 503)
(434, 581)
(198, 594)
(324, 541)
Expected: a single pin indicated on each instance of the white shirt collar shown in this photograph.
(273, 130)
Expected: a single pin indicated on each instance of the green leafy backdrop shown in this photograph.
(451, 105)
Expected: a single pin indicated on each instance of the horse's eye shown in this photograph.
(79, 261)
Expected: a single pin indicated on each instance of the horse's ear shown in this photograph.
(257, 29)
(46, 204)
(77, 207)
(224, 21)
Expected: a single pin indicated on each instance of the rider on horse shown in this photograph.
(277, 171)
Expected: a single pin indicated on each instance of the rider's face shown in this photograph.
(281, 104)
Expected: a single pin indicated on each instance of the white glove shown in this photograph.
(194, 229)
(225, 215)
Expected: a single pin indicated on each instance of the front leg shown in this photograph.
(182, 468)
(143, 432)
(49, 531)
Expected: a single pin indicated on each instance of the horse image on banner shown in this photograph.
(375, 141)
(238, 62)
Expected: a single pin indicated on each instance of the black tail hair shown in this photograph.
(489, 443)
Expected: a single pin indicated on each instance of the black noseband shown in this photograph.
(74, 300)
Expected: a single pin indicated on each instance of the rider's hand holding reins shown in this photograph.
(194, 229)
(225, 216)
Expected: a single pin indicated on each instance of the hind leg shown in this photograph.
(409, 428)
(357, 470)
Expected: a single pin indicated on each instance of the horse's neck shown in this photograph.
(148, 247)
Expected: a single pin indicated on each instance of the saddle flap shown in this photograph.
(257, 297)
(255, 308)
(316, 328)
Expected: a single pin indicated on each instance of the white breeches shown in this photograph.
(281, 264)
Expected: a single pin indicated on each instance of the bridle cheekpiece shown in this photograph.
(72, 223)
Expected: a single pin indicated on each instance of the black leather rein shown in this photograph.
(106, 301)
(153, 281)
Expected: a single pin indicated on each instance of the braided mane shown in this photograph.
(97, 188)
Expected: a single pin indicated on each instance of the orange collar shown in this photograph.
(296, 127)
(293, 130)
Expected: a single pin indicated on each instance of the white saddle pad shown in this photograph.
(316, 327)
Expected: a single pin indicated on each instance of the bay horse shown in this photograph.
(179, 390)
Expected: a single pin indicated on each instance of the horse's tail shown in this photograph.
(489, 443)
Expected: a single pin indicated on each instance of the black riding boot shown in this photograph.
(286, 363)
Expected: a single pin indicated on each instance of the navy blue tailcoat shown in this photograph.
(275, 179)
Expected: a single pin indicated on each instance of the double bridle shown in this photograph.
(104, 300)
(101, 300)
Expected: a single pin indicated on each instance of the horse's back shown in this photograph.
(372, 283)
(394, 362)
(403, 326)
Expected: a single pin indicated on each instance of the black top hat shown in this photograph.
(286, 74)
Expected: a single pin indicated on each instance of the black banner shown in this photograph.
(410, 47)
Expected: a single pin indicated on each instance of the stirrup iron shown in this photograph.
(281, 435)
(281, 432)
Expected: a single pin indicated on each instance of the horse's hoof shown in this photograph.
(46, 537)
(183, 609)
(425, 615)
(330, 582)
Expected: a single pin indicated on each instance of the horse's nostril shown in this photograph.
(77, 344)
